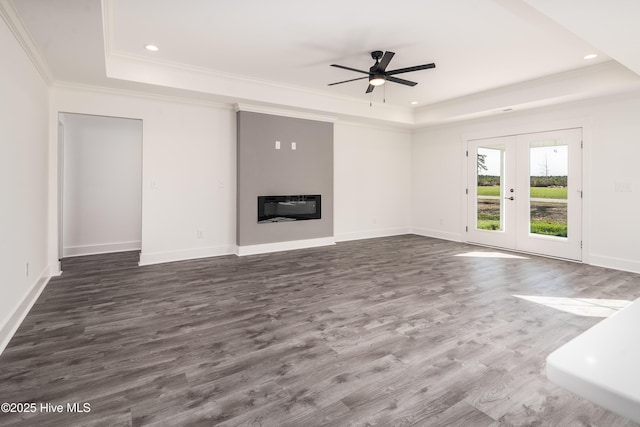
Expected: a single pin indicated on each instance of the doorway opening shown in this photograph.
(99, 184)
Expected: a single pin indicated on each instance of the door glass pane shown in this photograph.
(490, 183)
(548, 178)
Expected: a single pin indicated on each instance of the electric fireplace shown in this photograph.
(288, 208)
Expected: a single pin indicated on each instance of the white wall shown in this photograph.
(188, 170)
(24, 99)
(436, 166)
(611, 153)
(372, 181)
(102, 184)
(189, 174)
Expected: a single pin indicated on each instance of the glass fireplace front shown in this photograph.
(288, 208)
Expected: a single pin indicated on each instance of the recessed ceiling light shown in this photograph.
(152, 47)
(591, 56)
(414, 102)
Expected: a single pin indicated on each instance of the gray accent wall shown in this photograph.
(265, 171)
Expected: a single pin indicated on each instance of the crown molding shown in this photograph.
(400, 128)
(252, 108)
(136, 68)
(12, 18)
(397, 128)
(142, 94)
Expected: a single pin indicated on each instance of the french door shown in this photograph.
(525, 193)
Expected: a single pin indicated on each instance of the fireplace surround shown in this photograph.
(263, 170)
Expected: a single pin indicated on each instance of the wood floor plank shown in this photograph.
(397, 331)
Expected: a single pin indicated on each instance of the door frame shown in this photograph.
(585, 123)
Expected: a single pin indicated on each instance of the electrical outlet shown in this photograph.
(294, 146)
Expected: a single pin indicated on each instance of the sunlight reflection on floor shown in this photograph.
(490, 255)
(591, 307)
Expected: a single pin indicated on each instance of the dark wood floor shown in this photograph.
(386, 332)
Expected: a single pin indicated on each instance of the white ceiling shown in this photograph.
(280, 51)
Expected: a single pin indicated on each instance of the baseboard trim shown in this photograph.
(102, 248)
(184, 255)
(444, 235)
(372, 234)
(284, 246)
(55, 269)
(615, 263)
(8, 330)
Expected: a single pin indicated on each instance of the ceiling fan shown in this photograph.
(378, 75)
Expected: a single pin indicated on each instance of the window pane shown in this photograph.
(548, 177)
(489, 196)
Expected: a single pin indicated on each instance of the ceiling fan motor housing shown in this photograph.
(376, 78)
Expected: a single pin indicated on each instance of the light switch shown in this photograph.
(293, 145)
(277, 145)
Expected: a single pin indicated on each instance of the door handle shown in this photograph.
(510, 198)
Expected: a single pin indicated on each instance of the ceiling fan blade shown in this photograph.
(385, 61)
(347, 81)
(349, 68)
(409, 69)
(370, 89)
(401, 81)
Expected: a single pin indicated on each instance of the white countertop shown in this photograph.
(603, 363)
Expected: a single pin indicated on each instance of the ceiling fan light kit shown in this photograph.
(376, 80)
(378, 74)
